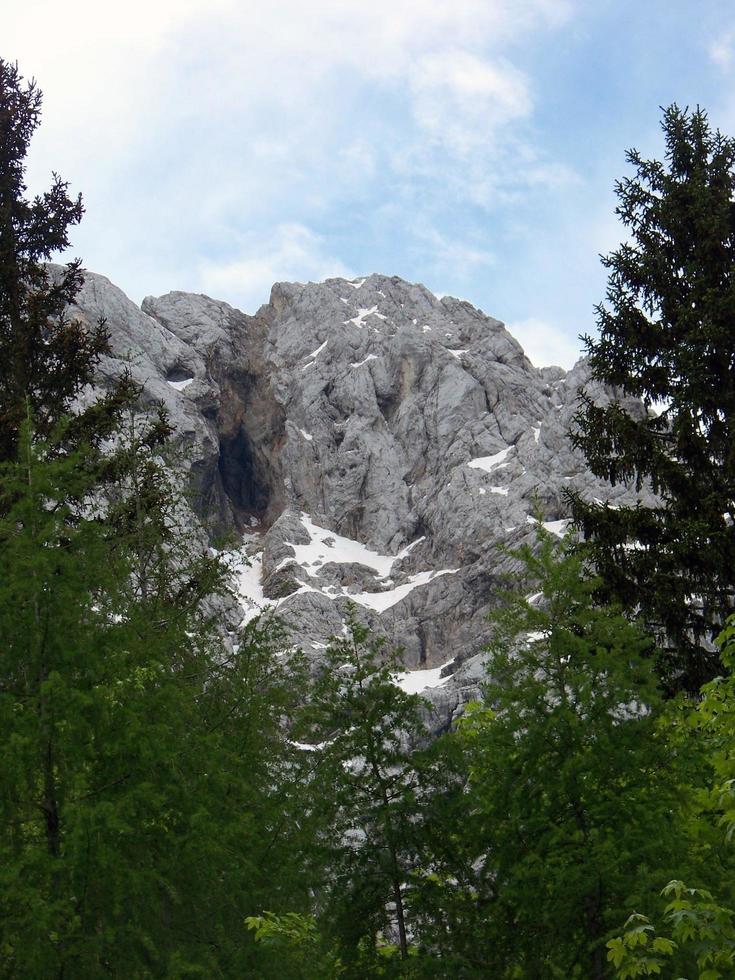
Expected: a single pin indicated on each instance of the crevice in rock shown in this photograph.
(178, 373)
(252, 433)
(245, 478)
(421, 637)
(388, 403)
(241, 488)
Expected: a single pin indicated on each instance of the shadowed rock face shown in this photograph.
(374, 443)
(250, 427)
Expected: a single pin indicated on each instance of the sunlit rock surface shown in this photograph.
(361, 441)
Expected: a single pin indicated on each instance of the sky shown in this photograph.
(224, 145)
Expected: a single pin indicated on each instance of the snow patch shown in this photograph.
(380, 601)
(370, 357)
(248, 573)
(489, 463)
(362, 314)
(416, 681)
(181, 385)
(559, 528)
(306, 435)
(326, 545)
(317, 352)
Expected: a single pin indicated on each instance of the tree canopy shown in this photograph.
(666, 337)
(181, 797)
(47, 356)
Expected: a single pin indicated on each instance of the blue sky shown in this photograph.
(222, 145)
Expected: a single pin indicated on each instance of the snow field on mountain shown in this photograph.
(416, 681)
(490, 463)
(328, 546)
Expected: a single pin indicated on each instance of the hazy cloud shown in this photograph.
(722, 50)
(461, 99)
(294, 253)
(213, 122)
(546, 343)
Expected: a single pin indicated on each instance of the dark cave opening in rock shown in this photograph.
(178, 373)
(245, 479)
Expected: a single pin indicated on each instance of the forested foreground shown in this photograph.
(180, 801)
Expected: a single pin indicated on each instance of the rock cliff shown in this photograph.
(364, 441)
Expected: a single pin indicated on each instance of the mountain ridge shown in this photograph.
(369, 443)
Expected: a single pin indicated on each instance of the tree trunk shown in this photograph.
(400, 914)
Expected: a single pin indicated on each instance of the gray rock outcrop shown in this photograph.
(362, 441)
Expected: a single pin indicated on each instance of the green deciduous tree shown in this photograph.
(366, 774)
(696, 931)
(701, 940)
(298, 944)
(147, 785)
(573, 792)
(666, 337)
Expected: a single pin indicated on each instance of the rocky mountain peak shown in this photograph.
(368, 442)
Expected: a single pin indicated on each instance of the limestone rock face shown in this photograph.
(363, 441)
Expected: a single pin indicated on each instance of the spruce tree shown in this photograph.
(666, 337)
(47, 357)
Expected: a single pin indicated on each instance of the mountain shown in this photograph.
(365, 441)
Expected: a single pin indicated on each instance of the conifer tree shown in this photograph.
(47, 357)
(666, 336)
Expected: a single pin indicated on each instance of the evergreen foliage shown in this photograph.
(46, 356)
(666, 337)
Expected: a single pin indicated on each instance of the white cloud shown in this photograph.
(546, 343)
(294, 254)
(185, 122)
(462, 99)
(451, 258)
(722, 50)
(110, 75)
